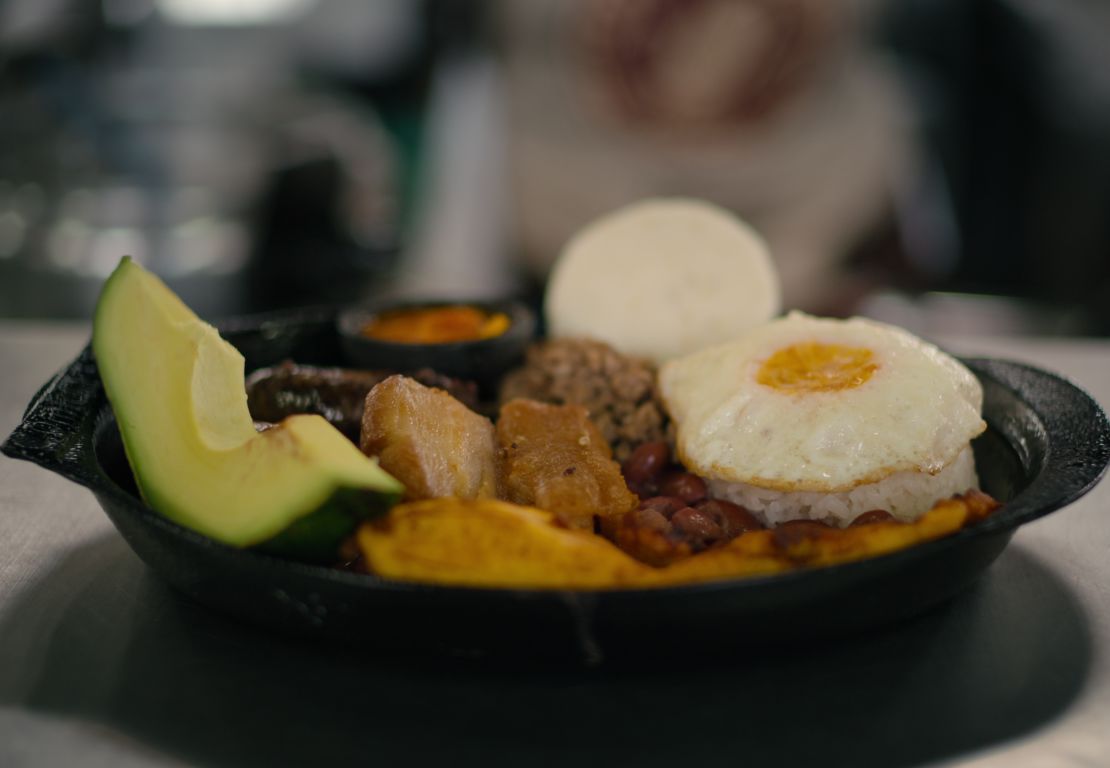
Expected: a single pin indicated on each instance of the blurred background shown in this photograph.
(943, 164)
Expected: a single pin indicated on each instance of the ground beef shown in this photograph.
(619, 392)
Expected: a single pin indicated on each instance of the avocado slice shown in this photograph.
(178, 395)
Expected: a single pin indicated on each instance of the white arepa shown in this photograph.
(662, 278)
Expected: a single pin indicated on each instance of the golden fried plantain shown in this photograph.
(555, 458)
(428, 440)
(491, 543)
(784, 548)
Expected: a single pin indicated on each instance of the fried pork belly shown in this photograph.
(428, 440)
(556, 459)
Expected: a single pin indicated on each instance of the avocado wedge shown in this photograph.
(177, 391)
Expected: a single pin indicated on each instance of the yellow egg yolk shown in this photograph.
(814, 367)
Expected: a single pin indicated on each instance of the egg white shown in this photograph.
(916, 413)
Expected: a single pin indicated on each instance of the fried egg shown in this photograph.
(806, 404)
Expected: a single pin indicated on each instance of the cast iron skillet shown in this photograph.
(1047, 444)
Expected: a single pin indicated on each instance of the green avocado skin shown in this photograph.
(315, 538)
(244, 489)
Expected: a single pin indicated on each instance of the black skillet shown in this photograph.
(1047, 444)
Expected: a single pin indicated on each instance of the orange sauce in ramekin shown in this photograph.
(436, 325)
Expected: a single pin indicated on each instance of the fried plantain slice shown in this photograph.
(488, 543)
(781, 549)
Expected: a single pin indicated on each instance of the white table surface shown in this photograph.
(103, 664)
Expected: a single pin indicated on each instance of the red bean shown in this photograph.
(696, 523)
(650, 518)
(686, 486)
(645, 463)
(733, 519)
(874, 516)
(665, 505)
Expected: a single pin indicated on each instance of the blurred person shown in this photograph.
(779, 110)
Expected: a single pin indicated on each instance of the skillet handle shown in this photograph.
(1061, 436)
(58, 426)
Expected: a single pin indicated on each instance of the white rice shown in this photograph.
(906, 495)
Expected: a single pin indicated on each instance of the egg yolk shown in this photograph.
(814, 367)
